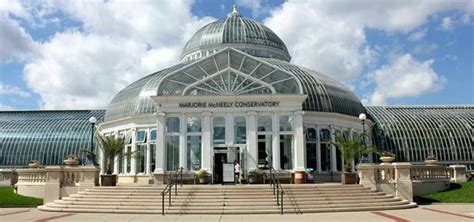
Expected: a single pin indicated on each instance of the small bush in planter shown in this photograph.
(254, 175)
(71, 160)
(387, 154)
(34, 164)
(203, 176)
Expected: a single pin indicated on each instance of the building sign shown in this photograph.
(227, 104)
(228, 173)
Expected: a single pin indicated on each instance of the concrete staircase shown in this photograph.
(228, 199)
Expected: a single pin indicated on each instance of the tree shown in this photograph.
(352, 148)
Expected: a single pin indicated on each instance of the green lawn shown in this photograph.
(463, 193)
(8, 198)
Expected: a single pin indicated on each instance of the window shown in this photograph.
(128, 161)
(153, 135)
(240, 130)
(194, 124)
(265, 151)
(141, 136)
(219, 130)
(286, 123)
(152, 157)
(286, 152)
(194, 152)
(311, 134)
(325, 135)
(141, 158)
(264, 123)
(172, 125)
(172, 153)
(325, 157)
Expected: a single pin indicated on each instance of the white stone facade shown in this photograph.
(257, 131)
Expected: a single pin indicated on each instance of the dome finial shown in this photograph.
(234, 11)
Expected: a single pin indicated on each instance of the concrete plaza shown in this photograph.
(435, 212)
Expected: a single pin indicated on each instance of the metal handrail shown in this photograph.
(276, 186)
(172, 181)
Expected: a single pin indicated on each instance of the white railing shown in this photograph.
(405, 180)
(384, 174)
(53, 182)
(70, 177)
(427, 172)
(31, 176)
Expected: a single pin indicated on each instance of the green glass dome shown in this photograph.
(237, 32)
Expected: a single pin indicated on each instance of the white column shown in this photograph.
(148, 154)
(116, 159)
(252, 141)
(342, 159)
(318, 150)
(351, 136)
(276, 142)
(206, 141)
(300, 146)
(133, 168)
(333, 151)
(160, 154)
(182, 142)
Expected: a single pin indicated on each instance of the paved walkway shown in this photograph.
(437, 212)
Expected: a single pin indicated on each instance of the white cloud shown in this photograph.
(8, 90)
(404, 77)
(15, 43)
(418, 35)
(120, 42)
(4, 107)
(258, 7)
(425, 48)
(447, 23)
(466, 19)
(329, 36)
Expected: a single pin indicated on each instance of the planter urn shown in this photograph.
(387, 159)
(108, 180)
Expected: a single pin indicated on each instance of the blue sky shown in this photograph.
(78, 54)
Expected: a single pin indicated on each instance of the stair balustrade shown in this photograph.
(276, 186)
(172, 182)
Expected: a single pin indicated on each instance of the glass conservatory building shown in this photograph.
(235, 96)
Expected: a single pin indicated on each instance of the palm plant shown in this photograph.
(352, 148)
(112, 146)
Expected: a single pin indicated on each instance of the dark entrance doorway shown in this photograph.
(219, 159)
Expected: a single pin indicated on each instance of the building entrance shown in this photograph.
(224, 155)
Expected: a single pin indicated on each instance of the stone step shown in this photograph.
(220, 195)
(224, 191)
(275, 210)
(218, 203)
(228, 206)
(216, 199)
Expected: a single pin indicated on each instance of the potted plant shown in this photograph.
(254, 175)
(351, 149)
(203, 176)
(34, 164)
(387, 157)
(112, 146)
(431, 160)
(71, 160)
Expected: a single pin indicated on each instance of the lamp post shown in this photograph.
(92, 121)
(362, 118)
